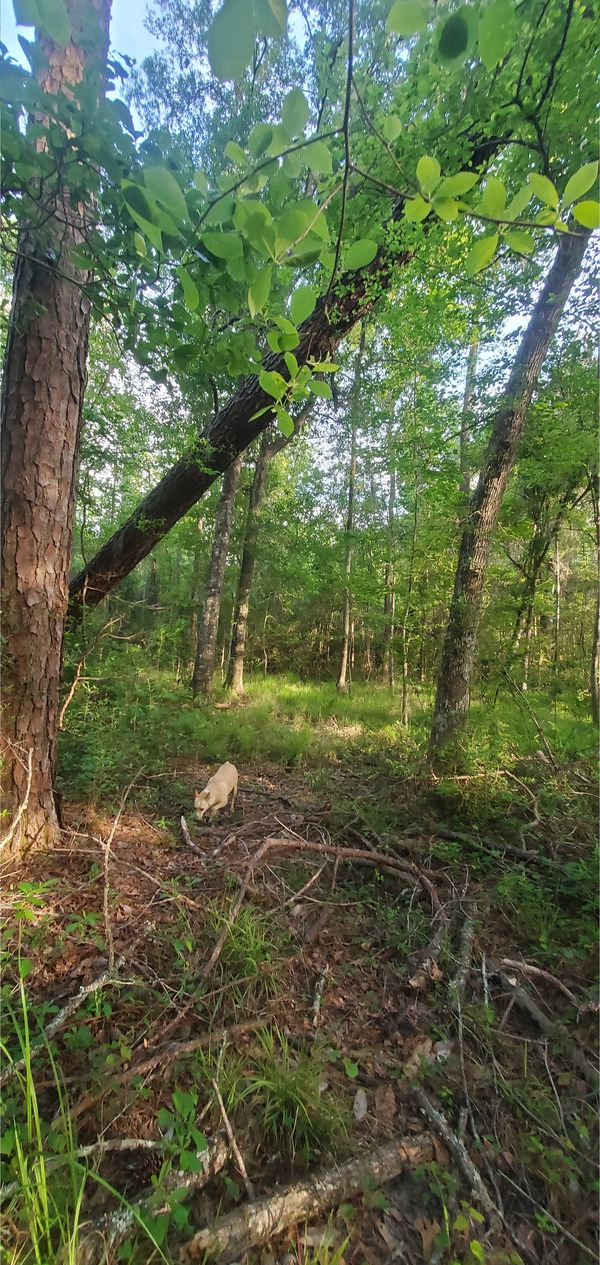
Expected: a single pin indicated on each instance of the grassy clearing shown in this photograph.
(351, 775)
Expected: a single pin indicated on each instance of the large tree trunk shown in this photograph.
(42, 398)
(268, 450)
(389, 599)
(341, 681)
(595, 666)
(454, 682)
(208, 625)
(466, 421)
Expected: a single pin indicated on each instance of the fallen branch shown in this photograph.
(551, 1028)
(61, 1018)
(190, 842)
(460, 1153)
(103, 1237)
(239, 1159)
(379, 860)
(458, 984)
(427, 968)
(254, 1224)
(216, 953)
(537, 971)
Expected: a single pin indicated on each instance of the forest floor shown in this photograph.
(315, 989)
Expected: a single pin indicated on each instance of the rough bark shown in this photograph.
(454, 682)
(208, 625)
(466, 421)
(42, 397)
(595, 666)
(268, 450)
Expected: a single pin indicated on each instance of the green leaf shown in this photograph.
(522, 242)
(259, 290)
(190, 289)
(25, 967)
(477, 1251)
(580, 182)
(407, 17)
(303, 302)
(259, 139)
(26, 13)
(516, 207)
(391, 126)
(428, 173)
(295, 112)
(416, 209)
(231, 39)
(544, 189)
(455, 186)
(223, 245)
(163, 185)
(293, 223)
(497, 29)
(201, 182)
(271, 17)
(461, 1223)
(587, 213)
(292, 364)
(360, 254)
(272, 383)
(140, 212)
(285, 422)
(493, 201)
(323, 366)
(55, 20)
(321, 389)
(140, 245)
(457, 37)
(235, 152)
(318, 158)
(446, 208)
(480, 254)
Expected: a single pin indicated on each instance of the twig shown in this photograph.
(62, 1016)
(190, 843)
(529, 969)
(233, 1144)
(318, 997)
(563, 1229)
(101, 1147)
(550, 1028)
(216, 953)
(254, 1224)
(458, 984)
(376, 859)
(428, 968)
(117, 619)
(458, 1150)
(316, 876)
(23, 805)
(103, 1237)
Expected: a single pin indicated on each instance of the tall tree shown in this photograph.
(208, 624)
(454, 681)
(354, 409)
(41, 408)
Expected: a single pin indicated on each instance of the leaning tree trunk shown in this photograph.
(454, 682)
(41, 408)
(466, 421)
(269, 448)
(239, 422)
(208, 625)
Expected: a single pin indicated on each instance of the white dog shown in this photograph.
(217, 791)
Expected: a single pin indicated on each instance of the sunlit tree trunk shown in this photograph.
(208, 624)
(454, 682)
(466, 421)
(42, 397)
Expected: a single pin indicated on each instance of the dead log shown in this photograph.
(253, 1224)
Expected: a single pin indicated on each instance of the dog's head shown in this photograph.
(201, 803)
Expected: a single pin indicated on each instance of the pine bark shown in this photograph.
(41, 409)
(454, 682)
(208, 625)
